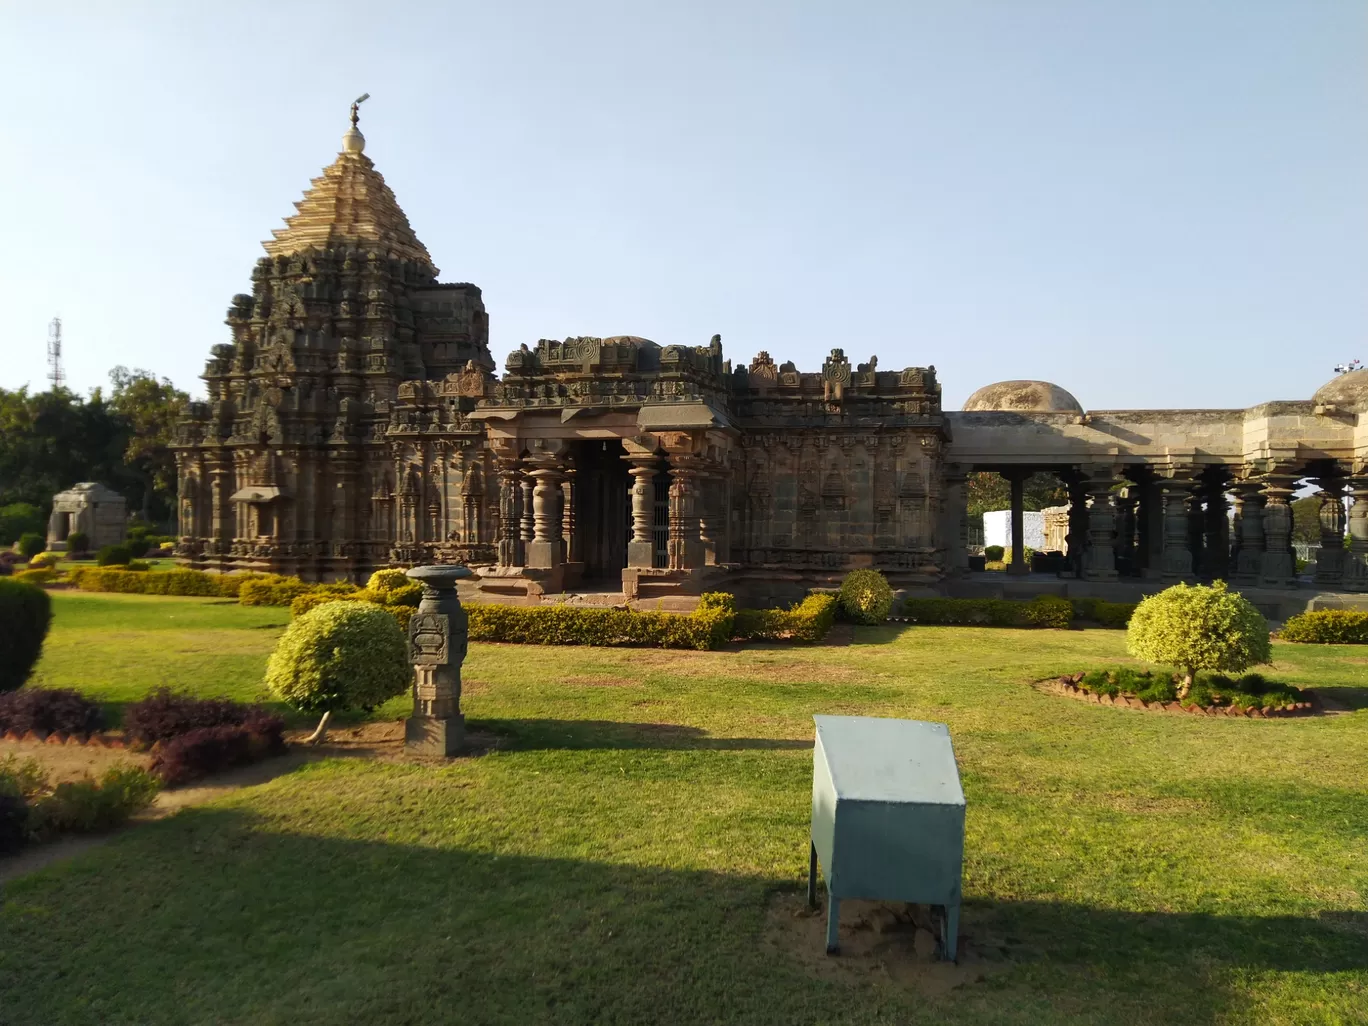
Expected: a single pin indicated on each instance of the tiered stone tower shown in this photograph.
(293, 465)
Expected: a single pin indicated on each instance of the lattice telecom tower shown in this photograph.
(55, 375)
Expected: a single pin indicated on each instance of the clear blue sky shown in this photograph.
(1151, 204)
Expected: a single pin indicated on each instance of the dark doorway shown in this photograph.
(602, 511)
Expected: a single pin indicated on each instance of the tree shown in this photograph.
(19, 518)
(987, 491)
(1195, 627)
(1306, 526)
(51, 440)
(150, 406)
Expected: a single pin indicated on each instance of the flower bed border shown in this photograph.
(104, 739)
(1068, 686)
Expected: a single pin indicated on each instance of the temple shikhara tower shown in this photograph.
(355, 420)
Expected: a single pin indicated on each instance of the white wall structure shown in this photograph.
(997, 529)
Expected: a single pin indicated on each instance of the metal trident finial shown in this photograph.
(355, 113)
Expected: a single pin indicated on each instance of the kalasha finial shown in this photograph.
(353, 141)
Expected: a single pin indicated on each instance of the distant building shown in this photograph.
(100, 513)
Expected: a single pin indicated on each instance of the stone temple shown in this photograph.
(356, 420)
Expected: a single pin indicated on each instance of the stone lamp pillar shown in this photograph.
(438, 635)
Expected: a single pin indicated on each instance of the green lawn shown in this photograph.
(615, 861)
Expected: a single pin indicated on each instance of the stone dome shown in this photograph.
(1348, 390)
(1023, 397)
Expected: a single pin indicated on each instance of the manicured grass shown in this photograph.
(615, 859)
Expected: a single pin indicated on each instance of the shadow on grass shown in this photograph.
(533, 735)
(1335, 697)
(219, 916)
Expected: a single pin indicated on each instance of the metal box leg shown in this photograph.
(950, 938)
(812, 875)
(833, 923)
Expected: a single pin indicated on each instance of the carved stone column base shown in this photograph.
(641, 554)
(544, 554)
(427, 735)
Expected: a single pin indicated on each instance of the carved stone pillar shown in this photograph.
(1151, 530)
(510, 514)
(1216, 532)
(222, 515)
(438, 634)
(1177, 562)
(729, 517)
(1196, 521)
(526, 524)
(1100, 561)
(641, 546)
(685, 545)
(711, 515)
(568, 514)
(545, 550)
(1076, 541)
(1279, 569)
(1331, 558)
(954, 521)
(1019, 563)
(1126, 503)
(1355, 576)
(1249, 509)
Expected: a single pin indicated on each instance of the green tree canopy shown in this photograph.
(988, 491)
(150, 406)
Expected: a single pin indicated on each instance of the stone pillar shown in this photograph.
(711, 516)
(510, 514)
(1077, 540)
(1099, 563)
(222, 515)
(724, 552)
(954, 523)
(1250, 543)
(641, 546)
(1177, 561)
(1216, 533)
(1196, 521)
(685, 546)
(1151, 530)
(1019, 563)
(438, 634)
(1355, 576)
(526, 523)
(1331, 558)
(1279, 568)
(568, 514)
(545, 551)
(1126, 562)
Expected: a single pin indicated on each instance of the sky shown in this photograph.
(1159, 204)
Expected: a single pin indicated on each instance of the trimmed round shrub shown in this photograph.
(25, 615)
(31, 543)
(993, 553)
(1195, 627)
(340, 655)
(78, 541)
(45, 560)
(114, 555)
(389, 579)
(865, 597)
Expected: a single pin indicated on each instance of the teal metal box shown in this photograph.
(887, 817)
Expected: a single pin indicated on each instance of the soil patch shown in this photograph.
(883, 942)
(67, 763)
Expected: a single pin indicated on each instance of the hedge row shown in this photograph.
(807, 621)
(1327, 627)
(1041, 611)
(1115, 615)
(709, 626)
(172, 582)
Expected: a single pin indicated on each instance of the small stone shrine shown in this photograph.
(355, 420)
(90, 508)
